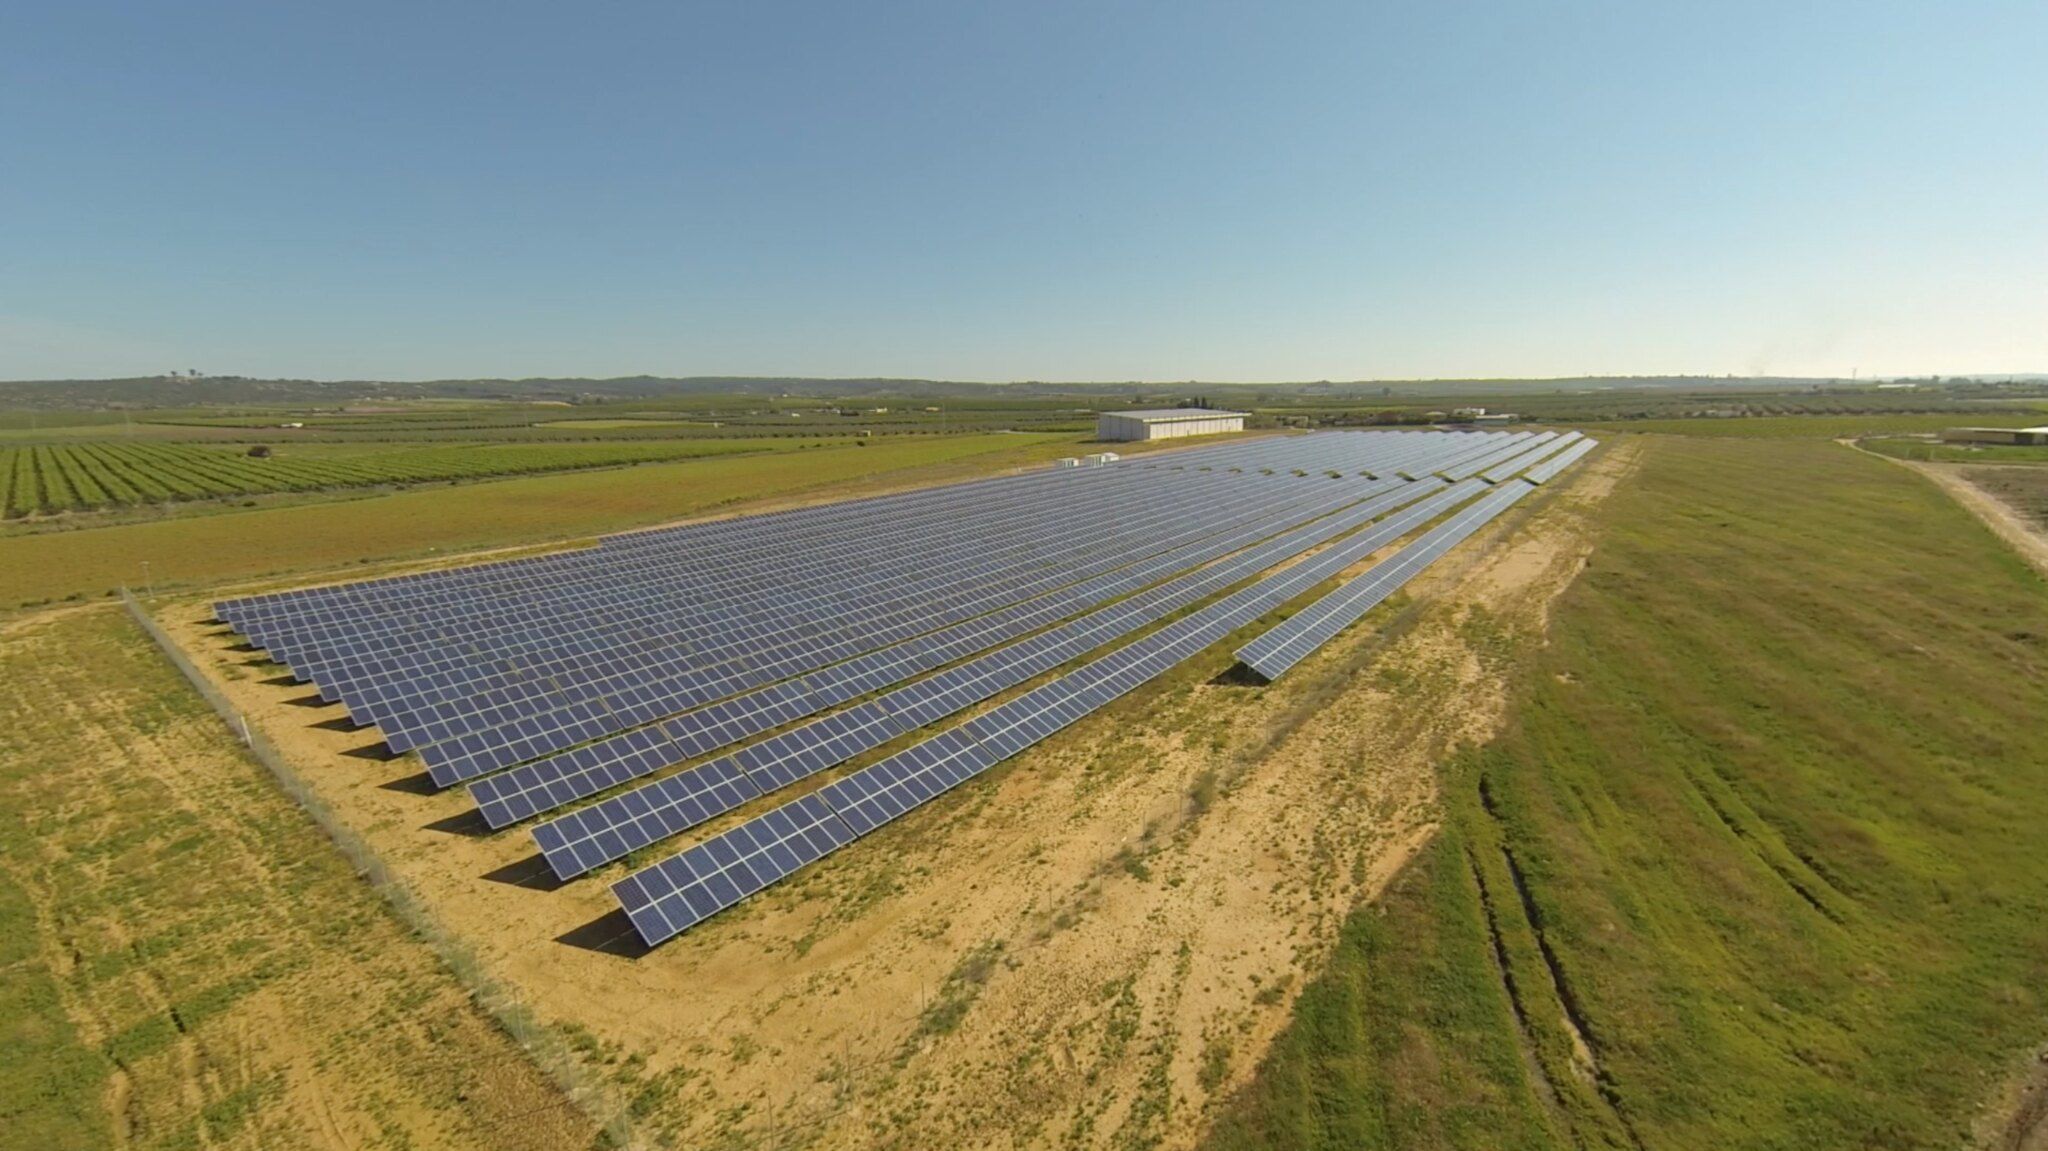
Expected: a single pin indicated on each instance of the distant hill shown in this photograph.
(217, 391)
(208, 391)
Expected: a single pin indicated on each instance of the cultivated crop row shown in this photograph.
(88, 475)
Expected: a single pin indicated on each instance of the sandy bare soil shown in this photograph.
(1090, 947)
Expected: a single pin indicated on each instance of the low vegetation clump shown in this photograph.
(1756, 861)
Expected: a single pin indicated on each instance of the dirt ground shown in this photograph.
(1092, 946)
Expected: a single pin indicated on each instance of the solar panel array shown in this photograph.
(608, 830)
(632, 691)
(1549, 469)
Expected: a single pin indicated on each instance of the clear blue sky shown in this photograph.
(1023, 191)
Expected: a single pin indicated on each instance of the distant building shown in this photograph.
(1166, 423)
(2036, 436)
(1495, 418)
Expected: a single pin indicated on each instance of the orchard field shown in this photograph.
(47, 479)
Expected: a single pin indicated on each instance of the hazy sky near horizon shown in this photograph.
(1049, 190)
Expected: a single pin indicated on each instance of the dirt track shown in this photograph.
(1091, 946)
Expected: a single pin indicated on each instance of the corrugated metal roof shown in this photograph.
(1150, 415)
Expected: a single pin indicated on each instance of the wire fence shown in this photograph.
(544, 1047)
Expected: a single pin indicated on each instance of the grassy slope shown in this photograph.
(210, 549)
(1778, 800)
(182, 952)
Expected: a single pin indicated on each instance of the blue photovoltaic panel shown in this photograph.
(594, 836)
(1278, 650)
(1549, 469)
(1507, 470)
(674, 894)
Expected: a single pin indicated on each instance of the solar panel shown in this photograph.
(1280, 649)
(680, 891)
(1507, 469)
(1549, 469)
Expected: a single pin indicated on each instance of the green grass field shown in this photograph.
(204, 550)
(186, 962)
(1817, 427)
(700, 417)
(1960, 453)
(1766, 826)
(87, 476)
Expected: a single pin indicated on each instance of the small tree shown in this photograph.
(260, 451)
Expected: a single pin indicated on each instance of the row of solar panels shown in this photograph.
(684, 598)
(846, 652)
(348, 604)
(799, 658)
(673, 895)
(551, 691)
(705, 542)
(799, 645)
(526, 790)
(535, 787)
(255, 616)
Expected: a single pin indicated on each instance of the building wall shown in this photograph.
(1993, 436)
(1112, 427)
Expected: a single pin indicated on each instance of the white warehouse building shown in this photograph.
(1165, 423)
